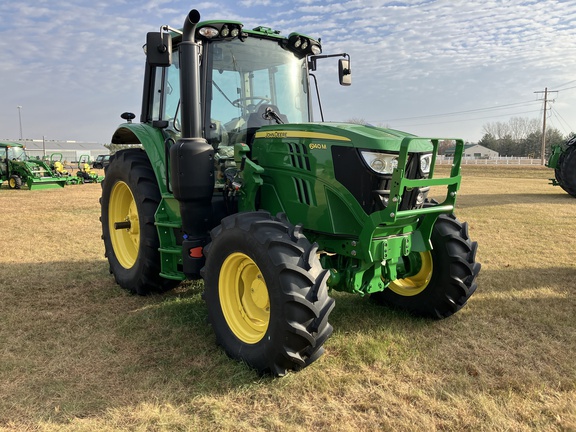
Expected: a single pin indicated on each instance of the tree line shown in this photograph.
(520, 137)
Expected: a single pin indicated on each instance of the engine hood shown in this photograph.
(348, 134)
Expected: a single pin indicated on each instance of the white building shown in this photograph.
(71, 150)
(473, 151)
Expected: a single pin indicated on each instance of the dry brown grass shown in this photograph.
(79, 354)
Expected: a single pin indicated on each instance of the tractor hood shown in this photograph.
(349, 134)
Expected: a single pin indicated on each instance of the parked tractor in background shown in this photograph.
(563, 161)
(101, 161)
(228, 179)
(17, 169)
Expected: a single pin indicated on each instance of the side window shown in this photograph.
(172, 93)
(166, 97)
(157, 95)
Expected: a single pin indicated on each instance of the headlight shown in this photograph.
(382, 163)
(425, 162)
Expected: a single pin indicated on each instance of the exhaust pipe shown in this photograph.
(190, 78)
(192, 158)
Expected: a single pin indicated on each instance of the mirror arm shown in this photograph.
(312, 59)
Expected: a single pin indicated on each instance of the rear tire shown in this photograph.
(266, 293)
(566, 171)
(446, 278)
(130, 194)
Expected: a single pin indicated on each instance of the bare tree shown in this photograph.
(521, 127)
(359, 121)
(516, 129)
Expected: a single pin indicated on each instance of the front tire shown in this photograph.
(15, 182)
(445, 277)
(130, 197)
(266, 293)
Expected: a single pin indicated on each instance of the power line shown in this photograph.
(462, 120)
(568, 88)
(559, 117)
(495, 108)
(569, 82)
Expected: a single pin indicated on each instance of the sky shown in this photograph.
(434, 68)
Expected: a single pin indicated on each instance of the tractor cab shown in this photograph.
(16, 153)
(248, 79)
(10, 151)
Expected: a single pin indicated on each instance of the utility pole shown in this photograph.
(20, 119)
(543, 151)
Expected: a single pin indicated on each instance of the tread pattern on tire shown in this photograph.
(296, 283)
(453, 276)
(566, 171)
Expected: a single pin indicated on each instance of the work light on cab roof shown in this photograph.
(220, 30)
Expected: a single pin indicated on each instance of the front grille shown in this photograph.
(370, 189)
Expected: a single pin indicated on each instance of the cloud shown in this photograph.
(75, 66)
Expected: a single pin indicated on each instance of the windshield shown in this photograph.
(245, 79)
(16, 153)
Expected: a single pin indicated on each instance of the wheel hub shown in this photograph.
(124, 225)
(244, 298)
(417, 277)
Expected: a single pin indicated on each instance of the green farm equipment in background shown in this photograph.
(85, 173)
(227, 178)
(57, 165)
(17, 169)
(563, 161)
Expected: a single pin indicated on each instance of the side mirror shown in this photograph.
(344, 72)
(158, 49)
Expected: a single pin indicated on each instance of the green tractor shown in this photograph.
(563, 161)
(227, 179)
(17, 169)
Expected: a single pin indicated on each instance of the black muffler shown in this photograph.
(191, 157)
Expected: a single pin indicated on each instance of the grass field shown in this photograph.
(77, 353)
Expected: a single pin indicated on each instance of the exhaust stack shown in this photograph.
(191, 158)
(190, 78)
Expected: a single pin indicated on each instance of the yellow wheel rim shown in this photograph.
(244, 298)
(125, 241)
(412, 285)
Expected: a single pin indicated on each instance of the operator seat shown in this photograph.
(257, 120)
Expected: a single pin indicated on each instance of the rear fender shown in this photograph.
(152, 141)
(554, 156)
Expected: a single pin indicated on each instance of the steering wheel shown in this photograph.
(237, 103)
